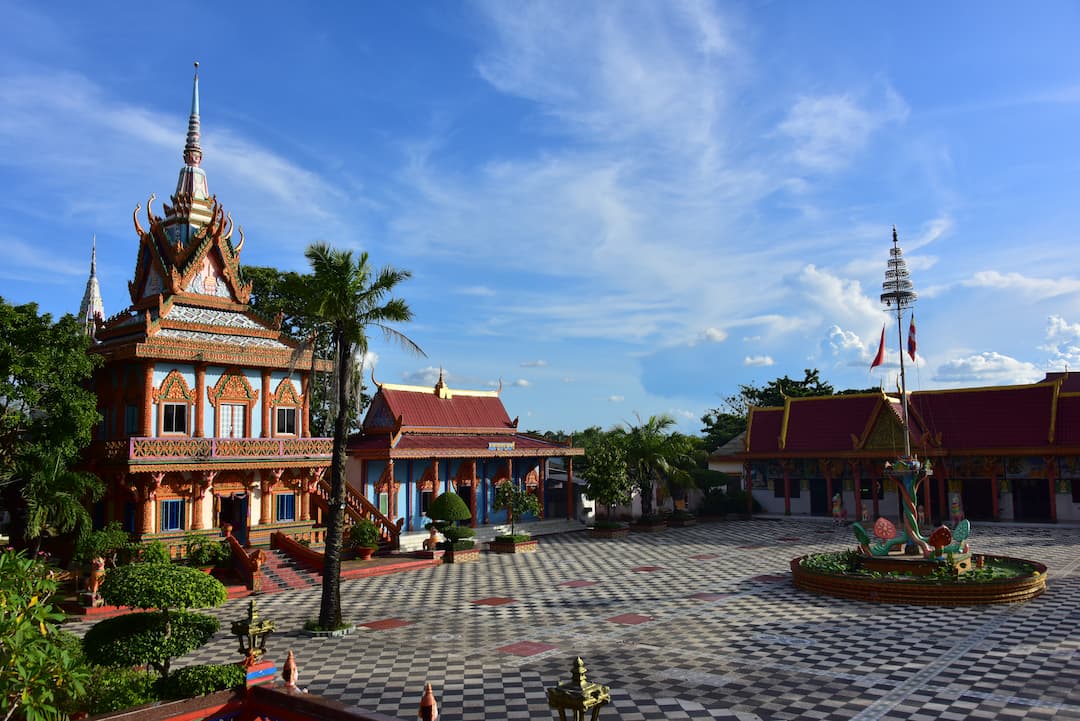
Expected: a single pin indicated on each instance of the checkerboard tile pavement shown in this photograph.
(724, 641)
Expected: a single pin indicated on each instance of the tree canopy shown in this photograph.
(47, 415)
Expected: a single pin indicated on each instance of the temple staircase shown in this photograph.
(356, 507)
(280, 572)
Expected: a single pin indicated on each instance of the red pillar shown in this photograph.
(1051, 479)
(569, 488)
(787, 490)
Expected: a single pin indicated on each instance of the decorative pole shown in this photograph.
(898, 294)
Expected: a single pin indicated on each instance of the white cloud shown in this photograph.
(989, 368)
(481, 291)
(521, 383)
(684, 414)
(534, 364)
(716, 335)
(1062, 343)
(829, 130)
(428, 376)
(615, 399)
(758, 360)
(1033, 288)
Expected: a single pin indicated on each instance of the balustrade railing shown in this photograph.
(357, 507)
(159, 449)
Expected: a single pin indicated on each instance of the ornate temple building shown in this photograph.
(419, 441)
(204, 420)
(997, 453)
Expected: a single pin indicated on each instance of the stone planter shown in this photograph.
(364, 553)
(595, 532)
(681, 522)
(648, 527)
(461, 555)
(529, 546)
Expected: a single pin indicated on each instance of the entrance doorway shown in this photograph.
(1031, 499)
(234, 509)
(820, 504)
(976, 494)
(466, 493)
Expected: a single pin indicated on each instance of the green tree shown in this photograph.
(720, 426)
(516, 501)
(344, 298)
(277, 292)
(606, 478)
(41, 676)
(154, 637)
(56, 501)
(46, 414)
(655, 455)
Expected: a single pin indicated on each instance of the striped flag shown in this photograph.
(880, 357)
(911, 338)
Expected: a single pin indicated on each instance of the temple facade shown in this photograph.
(419, 441)
(996, 453)
(204, 421)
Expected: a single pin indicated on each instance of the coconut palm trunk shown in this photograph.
(330, 608)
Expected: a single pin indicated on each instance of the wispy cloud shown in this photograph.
(989, 368)
(758, 360)
(616, 399)
(481, 291)
(534, 364)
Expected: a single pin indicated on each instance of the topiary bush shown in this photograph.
(153, 552)
(200, 680)
(449, 506)
(148, 639)
(155, 637)
(203, 550)
(111, 543)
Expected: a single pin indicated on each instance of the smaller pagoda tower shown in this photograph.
(92, 309)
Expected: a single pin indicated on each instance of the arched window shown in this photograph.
(175, 400)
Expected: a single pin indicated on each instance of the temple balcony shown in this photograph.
(146, 452)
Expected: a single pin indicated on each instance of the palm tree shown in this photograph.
(56, 500)
(653, 455)
(345, 298)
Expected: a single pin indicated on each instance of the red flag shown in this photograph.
(880, 357)
(911, 338)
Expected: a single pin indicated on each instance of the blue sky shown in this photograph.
(614, 207)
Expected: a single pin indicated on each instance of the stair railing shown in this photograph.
(357, 507)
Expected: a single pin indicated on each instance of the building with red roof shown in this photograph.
(997, 453)
(419, 441)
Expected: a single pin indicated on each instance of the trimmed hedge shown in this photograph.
(161, 585)
(201, 680)
(141, 639)
(120, 688)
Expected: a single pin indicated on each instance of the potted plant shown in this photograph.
(516, 501)
(364, 536)
(205, 552)
(650, 523)
(681, 517)
(608, 483)
(446, 512)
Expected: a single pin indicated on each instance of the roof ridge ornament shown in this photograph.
(192, 149)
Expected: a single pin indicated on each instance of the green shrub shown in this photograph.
(364, 533)
(459, 545)
(457, 533)
(153, 585)
(513, 538)
(449, 506)
(717, 502)
(605, 524)
(153, 552)
(148, 639)
(205, 550)
(110, 543)
(200, 680)
(516, 501)
(119, 688)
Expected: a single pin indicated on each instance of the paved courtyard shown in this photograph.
(694, 623)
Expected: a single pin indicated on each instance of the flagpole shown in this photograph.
(899, 293)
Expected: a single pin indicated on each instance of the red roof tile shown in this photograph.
(1001, 417)
(425, 409)
(827, 423)
(764, 429)
(1068, 421)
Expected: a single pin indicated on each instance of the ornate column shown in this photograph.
(200, 398)
(198, 495)
(264, 500)
(305, 413)
(145, 496)
(148, 400)
(265, 403)
(540, 488)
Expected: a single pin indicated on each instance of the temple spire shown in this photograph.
(92, 306)
(192, 149)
